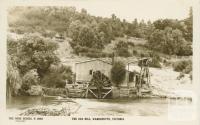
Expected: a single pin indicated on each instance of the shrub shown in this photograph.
(79, 49)
(135, 52)
(181, 75)
(184, 66)
(123, 52)
(122, 49)
(29, 79)
(89, 52)
(190, 75)
(155, 62)
(155, 59)
(188, 68)
(118, 72)
(57, 76)
(166, 62)
(92, 55)
(131, 44)
(143, 54)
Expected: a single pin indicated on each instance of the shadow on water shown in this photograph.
(23, 102)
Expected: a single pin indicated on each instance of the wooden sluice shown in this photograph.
(76, 93)
(86, 91)
(94, 91)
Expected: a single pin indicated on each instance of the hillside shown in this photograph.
(93, 36)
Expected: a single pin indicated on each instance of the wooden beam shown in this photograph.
(93, 93)
(86, 93)
(87, 89)
(107, 93)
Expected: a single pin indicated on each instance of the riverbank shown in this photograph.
(165, 84)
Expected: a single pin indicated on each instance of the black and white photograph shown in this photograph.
(101, 58)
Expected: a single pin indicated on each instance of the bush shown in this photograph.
(79, 49)
(57, 76)
(155, 59)
(135, 52)
(143, 54)
(184, 66)
(122, 49)
(155, 62)
(181, 75)
(131, 44)
(29, 79)
(118, 72)
(89, 52)
(190, 75)
(123, 52)
(166, 62)
(92, 55)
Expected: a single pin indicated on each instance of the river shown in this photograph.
(113, 107)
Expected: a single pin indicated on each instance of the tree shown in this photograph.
(149, 29)
(86, 36)
(189, 23)
(156, 39)
(74, 29)
(169, 41)
(118, 72)
(35, 52)
(13, 81)
(106, 28)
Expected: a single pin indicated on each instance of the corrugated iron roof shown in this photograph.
(93, 60)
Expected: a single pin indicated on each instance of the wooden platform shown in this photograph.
(86, 91)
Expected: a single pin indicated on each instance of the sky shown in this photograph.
(131, 9)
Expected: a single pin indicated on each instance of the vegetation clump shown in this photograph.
(30, 62)
(118, 73)
(122, 49)
(184, 66)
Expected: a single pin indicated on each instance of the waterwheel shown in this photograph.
(99, 81)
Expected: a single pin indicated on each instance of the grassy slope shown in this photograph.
(136, 41)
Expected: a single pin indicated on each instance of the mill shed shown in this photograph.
(93, 79)
(84, 70)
